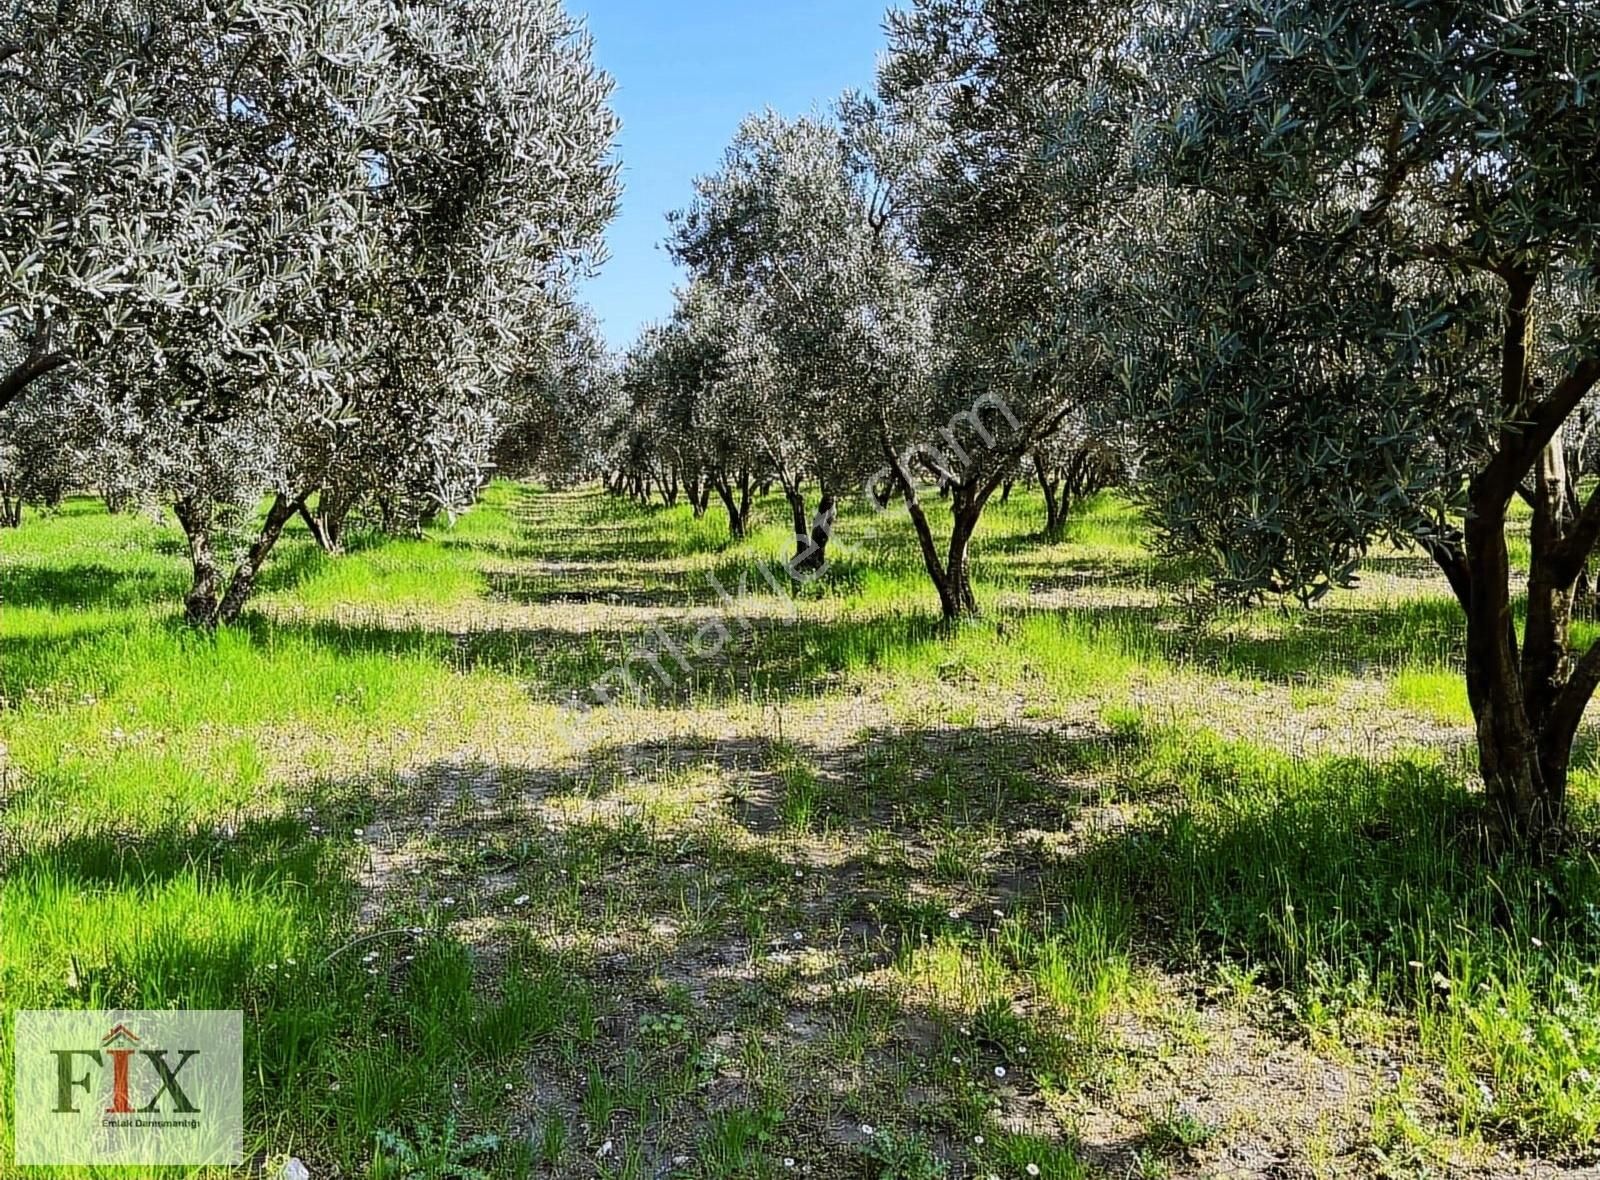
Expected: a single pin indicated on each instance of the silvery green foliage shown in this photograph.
(311, 239)
(491, 194)
(563, 408)
(66, 434)
(38, 443)
(924, 267)
(791, 230)
(1346, 204)
(701, 405)
(1006, 127)
(179, 172)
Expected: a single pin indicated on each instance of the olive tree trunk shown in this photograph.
(219, 591)
(735, 496)
(1055, 501)
(1528, 693)
(950, 570)
(326, 521)
(10, 505)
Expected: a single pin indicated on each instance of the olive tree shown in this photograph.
(487, 197)
(710, 397)
(309, 241)
(1078, 460)
(792, 233)
(563, 407)
(1371, 314)
(1001, 137)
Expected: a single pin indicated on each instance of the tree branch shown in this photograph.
(1575, 694)
(1518, 450)
(21, 376)
(1449, 556)
(1581, 537)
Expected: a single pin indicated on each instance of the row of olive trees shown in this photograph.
(1327, 269)
(888, 301)
(300, 254)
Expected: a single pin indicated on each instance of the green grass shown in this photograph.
(965, 886)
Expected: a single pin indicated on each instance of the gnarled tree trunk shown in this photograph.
(217, 595)
(10, 504)
(735, 496)
(950, 571)
(811, 555)
(1055, 501)
(1527, 697)
(326, 521)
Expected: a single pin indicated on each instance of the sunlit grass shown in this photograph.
(181, 814)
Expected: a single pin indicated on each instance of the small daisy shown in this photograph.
(788, 1160)
(447, 901)
(977, 1140)
(1032, 1169)
(999, 1071)
(520, 899)
(866, 1128)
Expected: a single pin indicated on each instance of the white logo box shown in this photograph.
(129, 1087)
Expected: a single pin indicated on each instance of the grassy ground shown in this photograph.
(1099, 886)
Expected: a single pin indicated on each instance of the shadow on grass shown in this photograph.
(346, 1031)
(1293, 645)
(1345, 883)
(1328, 879)
(678, 662)
(84, 585)
(666, 589)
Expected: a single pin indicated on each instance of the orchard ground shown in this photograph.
(1102, 885)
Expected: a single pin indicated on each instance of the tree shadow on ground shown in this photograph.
(905, 838)
(709, 659)
(86, 585)
(1296, 645)
(687, 867)
(668, 589)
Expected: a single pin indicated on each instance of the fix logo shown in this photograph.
(121, 1046)
(127, 1087)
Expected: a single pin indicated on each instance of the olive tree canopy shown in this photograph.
(1368, 261)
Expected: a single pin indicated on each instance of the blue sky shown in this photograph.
(687, 72)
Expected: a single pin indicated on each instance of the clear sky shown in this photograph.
(687, 72)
